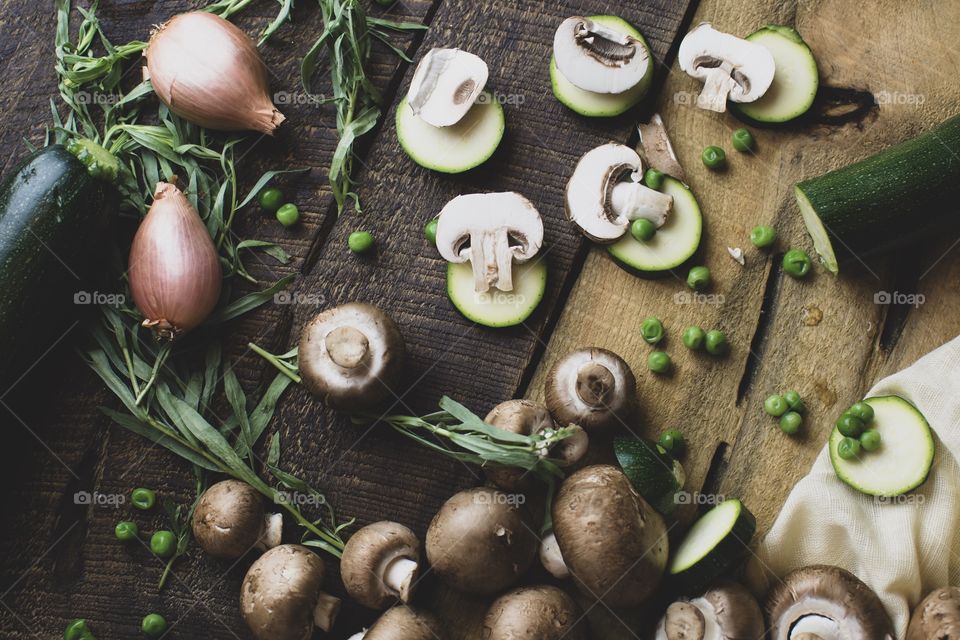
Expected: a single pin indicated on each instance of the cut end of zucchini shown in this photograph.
(497, 308)
(457, 148)
(100, 163)
(713, 546)
(818, 232)
(903, 461)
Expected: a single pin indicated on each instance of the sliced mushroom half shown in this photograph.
(726, 612)
(730, 67)
(445, 85)
(604, 194)
(598, 58)
(380, 564)
(937, 617)
(491, 231)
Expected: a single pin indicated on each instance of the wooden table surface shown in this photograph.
(825, 336)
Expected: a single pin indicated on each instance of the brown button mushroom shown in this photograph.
(230, 520)
(828, 602)
(937, 617)
(593, 388)
(282, 596)
(351, 356)
(534, 613)
(380, 564)
(614, 543)
(481, 540)
(403, 623)
(726, 612)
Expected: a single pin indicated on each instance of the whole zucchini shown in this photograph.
(54, 210)
(886, 201)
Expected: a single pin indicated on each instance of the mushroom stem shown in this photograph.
(631, 200)
(492, 260)
(595, 383)
(272, 531)
(326, 610)
(359, 635)
(552, 559)
(347, 346)
(400, 576)
(716, 87)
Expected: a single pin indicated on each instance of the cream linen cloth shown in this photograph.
(902, 548)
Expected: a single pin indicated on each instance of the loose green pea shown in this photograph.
(762, 236)
(775, 406)
(672, 442)
(143, 499)
(794, 401)
(652, 330)
(163, 544)
(848, 448)
(796, 263)
(863, 411)
(714, 158)
(698, 278)
(658, 362)
(77, 630)
(153, 625)
(360, 241)
(430, 231)
(271, 199)
(716, 342)
(642, 229)
(743, 140)
(693, 338)
(850, 425)
(126, 530)
(288, 214)
(870, 440)
(790, 422)
(653, 178)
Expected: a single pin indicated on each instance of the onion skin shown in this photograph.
(174, 268)
(209, 72)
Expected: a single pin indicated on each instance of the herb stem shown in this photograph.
(281, 366)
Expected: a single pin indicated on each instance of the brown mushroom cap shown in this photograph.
(481, 540)
(534, 613)
(379, 564)
(351, 356)
(404, 623)
(614, 543)
(593, 388)
(728, 608)
(937, 617)
(516, 416)
(826, 595)
(683, 621)
(229, 519)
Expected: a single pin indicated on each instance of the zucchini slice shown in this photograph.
(673, 244)
(497, 308)
(903, 461)
(602, 105)
(795, 81)
(457, 148)
(714, 546)
(653, 472)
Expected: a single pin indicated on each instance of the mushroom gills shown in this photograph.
(445, 85)
(600, 57)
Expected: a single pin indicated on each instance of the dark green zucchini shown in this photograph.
(652, 471)
(886, 201)
(714, 546)
(54, 211)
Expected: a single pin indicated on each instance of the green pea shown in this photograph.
(775, 406)
(863, 411)
(77, 630)
(653, 178)
(360, 241)
(672, 441)
(430, 231)
(743, 140)
(698, 278)
(849, 448)
(762, 236)
(714, 158)
(126, 530)
(796, 263)
(716, 342)
(794, 401)
(271, 199)
(658, 362)
(288, 215)
(642, 229)
(652, 330)
(790, 422)
(693, 338)
(163, 544)
(850, 425)
(870, 440)
(143, 499)
(153, 625)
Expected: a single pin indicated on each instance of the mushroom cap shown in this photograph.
(590, 187)
(597, 58)
(516, 416)
(404, 623)
(591, 387)
(751, 65)
(614, 543)
(446, 85)
(728, 609)
(937, 617)
(367, 556)
(534, 613)
(834, 595)
(657, 148)
(280, 591)
(229, 519)
(351, 356)
(481, 541)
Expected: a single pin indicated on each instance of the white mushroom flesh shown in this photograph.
(597, 58)
(358, 636)
(825, 628)
(552, 559)
(445, 86)
(399, 575)
(272, 531)
(631, 200)
(588, 190)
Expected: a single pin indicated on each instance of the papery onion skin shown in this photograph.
(209, 72)
(174, 269)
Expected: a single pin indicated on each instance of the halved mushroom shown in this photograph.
(730, 67)
(937, 617)
(614, 543)
(351, 356)
(657, 149)
(403, 623)
(828, 602)
(380, 564)
(445, 85)
(726, 612)
(534, 613)
(230, 520)
(597, 58)
(282, 596)
(491, 231)
(591, 387)
(604, 194)
(481, 541)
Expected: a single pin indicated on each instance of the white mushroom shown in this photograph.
(491, 231)
(730, 67)
(597, 58)
(445, 85)
(602, 204)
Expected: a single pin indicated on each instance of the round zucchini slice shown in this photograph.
(673, 244)
(795, 80)
(457, 148)
(497, 308)
(903, 461)
(714, 545)
(602, 105)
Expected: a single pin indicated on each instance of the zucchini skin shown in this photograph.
(726, 556)
(892, 198)
(53, 218)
